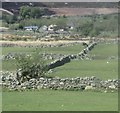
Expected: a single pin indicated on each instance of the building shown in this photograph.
(31, 28)
(51, 27)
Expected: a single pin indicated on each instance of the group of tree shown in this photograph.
(32, 12)
(10, 19)
(97, 24)
(88, 25)
(26, 12)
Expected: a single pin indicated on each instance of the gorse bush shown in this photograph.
(30, 66)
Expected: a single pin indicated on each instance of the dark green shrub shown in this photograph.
(30, 66)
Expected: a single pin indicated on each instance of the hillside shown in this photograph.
(66, 8)
(83, 11)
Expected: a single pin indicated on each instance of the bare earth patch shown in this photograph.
(24, 43)
(83, 11)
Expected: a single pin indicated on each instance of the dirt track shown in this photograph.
(83, 11)
(23, 43)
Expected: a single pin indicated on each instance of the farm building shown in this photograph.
(51, 27)
(31, 28)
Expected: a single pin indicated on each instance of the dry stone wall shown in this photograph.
(68, 58)
(10, 82)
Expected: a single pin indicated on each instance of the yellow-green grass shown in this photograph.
(102, 68)
(58, 50)
(105, 50)
(6, 50)
(87, 68)
(65, 50)
(51, 100)
(79, 68)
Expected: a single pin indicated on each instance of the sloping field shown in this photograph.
(83, 11)
(58, 100)
(104, 64)
(49, 100)
(6, 11)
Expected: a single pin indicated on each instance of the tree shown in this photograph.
(86, 28)
(30, 66)
(35, 12)
(31, 12)
(10, 19)
(24, 12)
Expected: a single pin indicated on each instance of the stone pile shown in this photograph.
(13, 55)
(52, 56)
(10, 82)
(85, 51)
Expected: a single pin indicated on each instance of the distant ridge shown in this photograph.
(4, 10)
(64, 8)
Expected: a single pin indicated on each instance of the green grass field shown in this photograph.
(58, 50)
(10, 65)
(85, 68)
(105, 50)
(97, 67)
(49, 100)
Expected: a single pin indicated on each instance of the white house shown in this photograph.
(51, 27)
(31, 28)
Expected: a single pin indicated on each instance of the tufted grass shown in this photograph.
(50, 100)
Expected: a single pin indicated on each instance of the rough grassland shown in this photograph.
(49, 100)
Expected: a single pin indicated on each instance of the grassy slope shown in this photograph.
(98, 68)
(48, 100)
(106, 50)
(59, 50)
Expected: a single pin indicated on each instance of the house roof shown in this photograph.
(31, 27)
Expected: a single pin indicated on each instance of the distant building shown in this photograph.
(31, 28)
(51, 27)
(45, 28)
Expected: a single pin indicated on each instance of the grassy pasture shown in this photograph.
(105, 50)
(64, 50)
(82, 68)
(58, 50)
(97, 67)
(6, 50)
(10, 65)
(49, 100)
